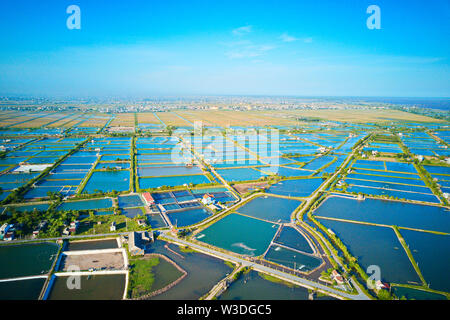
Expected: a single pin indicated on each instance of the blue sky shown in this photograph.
(144, 48)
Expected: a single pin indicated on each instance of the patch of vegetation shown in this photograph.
(141, 278)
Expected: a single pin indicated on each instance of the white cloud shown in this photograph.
(242, 30)
(287, 38)
(249, 51)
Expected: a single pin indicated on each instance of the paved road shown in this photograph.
(65, 237)
(259, 267)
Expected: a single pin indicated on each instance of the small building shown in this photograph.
(381, 285)
(113, 226)
(141, 222)
(337, 277)
(73, 226)
(148, 198)
(4, 229)
(39, 228)
(208, 199)
(26, 168)
(9, 236)
(138, 241)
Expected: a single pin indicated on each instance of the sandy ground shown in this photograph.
(244, 187)
(109, 261)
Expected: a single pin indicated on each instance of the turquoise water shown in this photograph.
(425, 248)
(290, 237)
(292, 259)
(168, 171)
(386, 212)
(87, 204)
(239, 234)
(147, 183)
(376, 246)
(108, 181)
(270, 208)
(394, 193)
(27, 259)
(295, 188)
(240, 174)
(133, 200)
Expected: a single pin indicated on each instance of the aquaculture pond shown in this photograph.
(148, 183)
(290, 237)
(163, 274)
(296, 187)
(376, 246)
(91, 245)
(203, 272)
(394, 193)
(155, 221)
(416, 294)
(188, 217)
(132, 212)
(130, 201)
(169, 171)
(27, 259)
(87, 204)
(270, 208)
(29, 208)
(240, 234)
(240, 174)
(431, 252)
(253, 286)
(386, 212)
(93, 287)
(292, 258)
(22, 289)
(107, 181)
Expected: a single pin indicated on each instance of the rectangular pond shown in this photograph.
(386, 212)
(239, 234)
(270, 208)
(27, 259)
(93, 287)
(376, 246)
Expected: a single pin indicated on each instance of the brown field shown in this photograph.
(37, 123)
(147, 117)
(96, 120)
(361, 115)
(245, 187)
(171, 119)
(123, 120)
(113, 260)
(63, 123)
